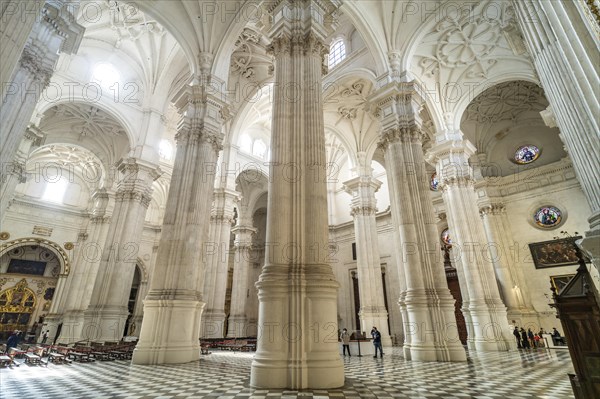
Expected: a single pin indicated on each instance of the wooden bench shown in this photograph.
(80, 356)
(57, 358)
(31, 358)
(5, 361)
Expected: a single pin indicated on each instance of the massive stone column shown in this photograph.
(105, 317)
(55, 31)
(237, 322)
(511, 279)
(172, 309)
(562, 39)
(13, 172)
(368, 265)
(17, 20)
(297, 338)
(84, 272)
(217, 263)
(429, 325)
(489, 330)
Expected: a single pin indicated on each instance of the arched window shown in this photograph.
(259, 149)
(245, 143)
(165, 149)
(55, 190)
(337, 52)
(105, 75)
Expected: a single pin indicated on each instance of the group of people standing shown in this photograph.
(528, 339)
(375, 334)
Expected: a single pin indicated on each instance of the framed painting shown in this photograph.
(554, 253)
(559, 282)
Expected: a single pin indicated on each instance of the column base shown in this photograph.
(213, 324)
(432, 327)
(105, 324)
(170, 332)
(72, 327)
(51, 322)
(491, 329)
(298, 349)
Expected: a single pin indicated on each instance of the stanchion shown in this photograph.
(359, 335)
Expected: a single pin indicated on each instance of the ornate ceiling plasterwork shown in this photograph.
(87, 120)
(89, 127)
(506, 101)
(72, 158)
(465, 49)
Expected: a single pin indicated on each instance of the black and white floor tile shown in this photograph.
(225, 375)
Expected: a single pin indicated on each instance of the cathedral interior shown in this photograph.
(178, 174)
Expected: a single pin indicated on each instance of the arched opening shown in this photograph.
(30, 274)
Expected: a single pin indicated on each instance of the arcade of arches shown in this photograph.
(176, 170)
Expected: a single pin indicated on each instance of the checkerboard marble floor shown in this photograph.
(225, 375)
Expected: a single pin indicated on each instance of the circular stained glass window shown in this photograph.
(446, 237)
(526, 154)
(547, 216)
(434, 183)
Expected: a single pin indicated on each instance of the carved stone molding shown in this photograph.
(363, 210)
(461, 181)
(492, 209)
(411, 135)
(134, 194)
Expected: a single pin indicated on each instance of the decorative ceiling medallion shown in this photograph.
(5, 235)
(69, 246)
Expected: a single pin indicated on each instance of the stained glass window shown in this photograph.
(446, 237)
(526, 154)
(434, 183)
(547, 216)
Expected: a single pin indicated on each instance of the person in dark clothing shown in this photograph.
(377, 341)
(12, 341)
(524, 339)
(531, 337)
(518, 337)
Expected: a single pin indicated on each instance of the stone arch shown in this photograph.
(56, 249)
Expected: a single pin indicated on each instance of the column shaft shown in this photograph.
(172, 309)
(237, 324)
(84, 273)
(368, 265)
(429, 324)
(297, 339)
(217, 263)
(489, 328)
(564, 48)
(107, 312)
